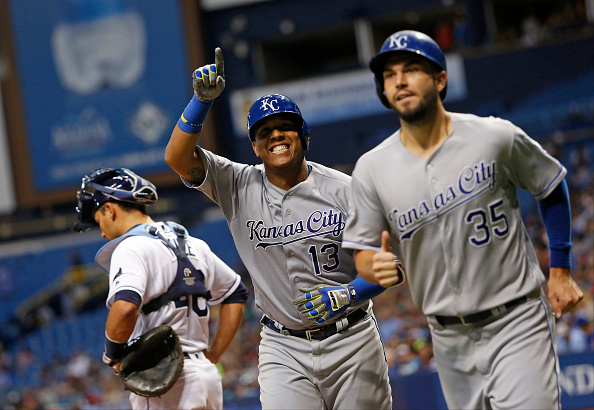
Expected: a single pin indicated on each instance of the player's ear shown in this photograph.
(255, 148)
(110, 210)
(441, 79)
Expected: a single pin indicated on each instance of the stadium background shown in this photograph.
(88, 83)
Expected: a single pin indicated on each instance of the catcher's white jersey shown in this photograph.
(147, 266)
(286, 239)
(454, 218)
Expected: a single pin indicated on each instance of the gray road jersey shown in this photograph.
(455, 217)
(286, 239)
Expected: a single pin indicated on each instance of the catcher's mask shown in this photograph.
(276, 104)
(110, 184)
(410, 41)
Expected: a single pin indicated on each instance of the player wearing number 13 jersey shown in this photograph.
(159, 275)
(320, 346)
(443, 189)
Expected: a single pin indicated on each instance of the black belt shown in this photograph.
(318, 333)
(486, 314)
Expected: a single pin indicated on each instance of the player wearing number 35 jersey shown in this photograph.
(320, 346)
(442, 191)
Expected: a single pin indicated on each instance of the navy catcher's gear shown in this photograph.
(105, 184)
(412, 42)
(189, 281)
(276, 104)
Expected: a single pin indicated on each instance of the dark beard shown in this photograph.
(425, 110)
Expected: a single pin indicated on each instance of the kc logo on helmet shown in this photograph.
(399, 41)
(266, 105)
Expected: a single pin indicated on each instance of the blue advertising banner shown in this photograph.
(102, 81)
(577, 380)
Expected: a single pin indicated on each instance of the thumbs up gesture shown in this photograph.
(386, 267)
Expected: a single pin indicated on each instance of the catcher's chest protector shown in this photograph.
(188, 282)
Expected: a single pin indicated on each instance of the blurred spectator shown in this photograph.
(78, 366)
(444, 35)
(424, 349)
(407, 362)
(531, 31)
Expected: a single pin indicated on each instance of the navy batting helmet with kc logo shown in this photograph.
(410, 41)
(276, 104)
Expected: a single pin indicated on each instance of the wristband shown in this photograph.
(113, 351)
(192, 119)
(361, 290)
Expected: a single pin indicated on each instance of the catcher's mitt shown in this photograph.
(152, 364)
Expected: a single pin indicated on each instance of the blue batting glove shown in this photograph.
(321, 303)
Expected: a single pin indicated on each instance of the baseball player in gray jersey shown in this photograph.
(442, 191)
(158, 275)
(320, 345)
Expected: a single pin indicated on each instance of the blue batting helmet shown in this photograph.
(412, 42)
(110, 184)
(276, 104)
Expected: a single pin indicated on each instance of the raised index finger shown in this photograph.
(220, 62)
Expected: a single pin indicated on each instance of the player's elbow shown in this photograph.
(173, 157)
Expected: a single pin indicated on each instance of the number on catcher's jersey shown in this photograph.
(199, 305)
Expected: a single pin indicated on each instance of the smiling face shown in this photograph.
(277, 142)
(412, 86)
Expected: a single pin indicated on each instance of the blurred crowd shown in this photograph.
(539, 26)
(81, 381)
(518, 25)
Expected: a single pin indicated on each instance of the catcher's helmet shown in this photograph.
(110, 184)
(276, 104)
(412, 42)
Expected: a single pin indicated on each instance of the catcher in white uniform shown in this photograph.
(442, 191)
(320, 345)
(150, 286)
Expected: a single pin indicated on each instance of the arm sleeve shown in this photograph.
(556, 214)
